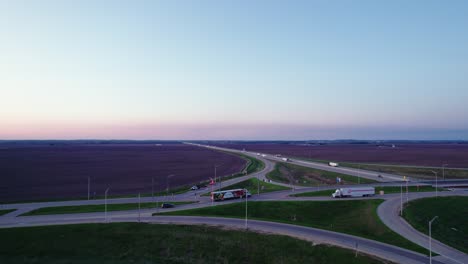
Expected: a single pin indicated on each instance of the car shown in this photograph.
(195, 187)
(167, 205)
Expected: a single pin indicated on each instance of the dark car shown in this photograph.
(167, 205)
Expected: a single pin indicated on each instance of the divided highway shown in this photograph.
(388, 212)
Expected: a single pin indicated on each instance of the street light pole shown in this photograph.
(152, 188)
(258, 184)
(401, 198)
(167, 183)
(443, 171)
(430, 239)
(359, 175)
(246, 198)
(215, 171)
(435, 172)
(105, 203)
(89, 185)
(139, 215)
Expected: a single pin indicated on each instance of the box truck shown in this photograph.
(354, 192)
(333, 164)
(286, 159)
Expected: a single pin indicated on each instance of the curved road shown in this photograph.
(388, 212)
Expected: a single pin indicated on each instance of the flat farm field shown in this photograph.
(50, 171)
(417, 154)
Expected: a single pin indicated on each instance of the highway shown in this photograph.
(388, 212)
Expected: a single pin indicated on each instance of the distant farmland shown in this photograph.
(46, 171)
(455, 155)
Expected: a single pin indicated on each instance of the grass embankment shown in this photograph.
(6, 211)
(176, 190)
(386, 189)
(95, 208)
(151, 243)
(450, 228)
(299, 175)
(421, 173)
(253, 184)
(358, 217)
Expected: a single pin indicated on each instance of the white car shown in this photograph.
(194, 188)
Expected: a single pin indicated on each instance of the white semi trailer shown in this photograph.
(286, 159)
(354, 192)
(333, 164)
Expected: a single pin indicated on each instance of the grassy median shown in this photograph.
(300, 175)
(386, 189)
(415, 172)
(6, 211)
(152, 243)
(358, 217)
(94, 208)
(253, 185)
(450, 228)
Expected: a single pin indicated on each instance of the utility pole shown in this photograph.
(435, 172)
(139, 215)
(359, 175)
(105, 203)
(152, 188)
(89, 185)
(167, 183)
(258, 185)
(430, 239)
(246, 198)
(401, 199)
(443, 171)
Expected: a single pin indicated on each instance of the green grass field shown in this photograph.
(152, 243)
(421, 173)
(94, 208)
(450, 228)
(6, 211)
(299, 175)
(386, 189)
(358, 217)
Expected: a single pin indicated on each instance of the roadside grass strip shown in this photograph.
(6, 211)
(386, 189)
(357, 217)
(300, 175)
(95, 208)
(119, 243)
(451, 226)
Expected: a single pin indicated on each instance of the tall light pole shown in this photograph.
(430, 239)
(89, 185)
(258, 184)
(443, 171)
(358, 174)
(401, 199)
(435, 172)
(139, 215)
(215, 175)
(167, 183)
(246, 198)
(105, 203)
(152, 188)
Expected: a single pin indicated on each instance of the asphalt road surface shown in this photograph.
(388, 212)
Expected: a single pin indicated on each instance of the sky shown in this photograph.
(286, 70)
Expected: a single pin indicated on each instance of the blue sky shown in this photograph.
(234, 69)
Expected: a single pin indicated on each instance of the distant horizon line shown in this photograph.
(248, 140)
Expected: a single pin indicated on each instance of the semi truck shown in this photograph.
(354, 192)
(333, 164)
(230, 194)
(286, 159)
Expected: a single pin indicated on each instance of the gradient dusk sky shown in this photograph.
(233, 69)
